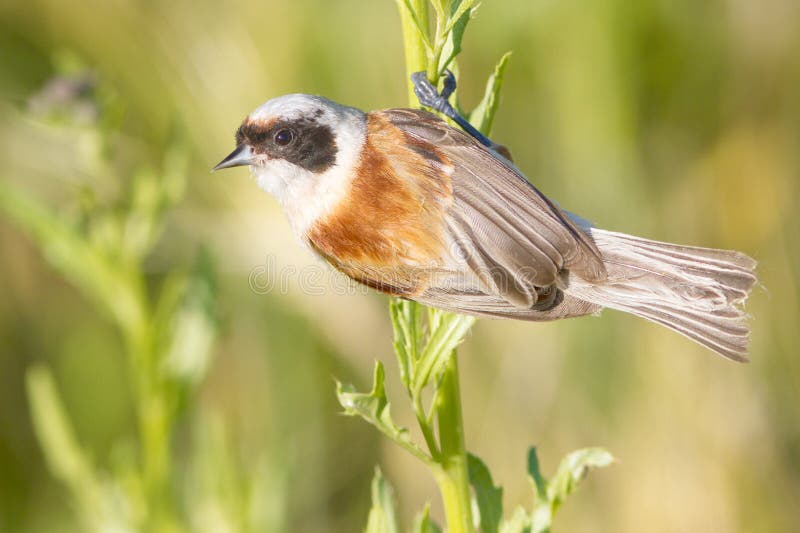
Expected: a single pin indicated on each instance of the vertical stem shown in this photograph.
(438, 42)
(413, 44)
(453, 480)
(452, 477)
(153, 421)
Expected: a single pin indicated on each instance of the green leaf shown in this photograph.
(458, 10)
(461, 13)
(488, 497)
(187, 323)
(423, 522)
(407, 324)
(448, 330)
(142, 221)
(382, 517)
(151, 194)
(374, 408)
(538, 480)
(573, 469)
(542, 515)
(65, 458)
(550, 495)
(519, 522)
(440, 7)
(64, 455)
(482, 117)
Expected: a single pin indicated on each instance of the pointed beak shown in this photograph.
(243, 155)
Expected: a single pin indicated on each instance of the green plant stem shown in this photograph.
(413, 45)
(426, 427)
(153, 418)
(451, 457)
(453, 479)
(439, 41)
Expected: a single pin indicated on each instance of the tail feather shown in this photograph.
(697, 292)
(733, 270)
(728, 339)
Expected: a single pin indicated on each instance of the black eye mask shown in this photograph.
(312, 145)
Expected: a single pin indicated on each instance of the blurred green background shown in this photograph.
(672, 119)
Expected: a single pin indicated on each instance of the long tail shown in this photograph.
(697, 292)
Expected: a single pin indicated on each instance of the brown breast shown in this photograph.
(389, 232)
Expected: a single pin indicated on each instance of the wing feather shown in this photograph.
(507, 233)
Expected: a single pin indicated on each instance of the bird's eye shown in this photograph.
(283, 137)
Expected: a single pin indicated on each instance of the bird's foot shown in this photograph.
(429, 97)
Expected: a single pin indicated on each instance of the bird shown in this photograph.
(402, 202)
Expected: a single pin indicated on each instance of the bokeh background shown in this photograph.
(672, 119)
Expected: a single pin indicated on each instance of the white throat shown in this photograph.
(307, 196)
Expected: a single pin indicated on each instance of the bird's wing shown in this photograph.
(510, 237)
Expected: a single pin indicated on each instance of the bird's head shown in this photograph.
(300, 148)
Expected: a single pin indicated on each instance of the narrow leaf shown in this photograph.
(459, 11)
(573, 470)
(382, 516)
(187, 322)
(374, 408)
(447, 334)
(423, 522)
(439, 7)
(488, 497)
(55, 434)
(407, 325)
(454, 34)
(518, 523)
(150, 195)
(65, 458)
(538, 480)
(482, 117)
